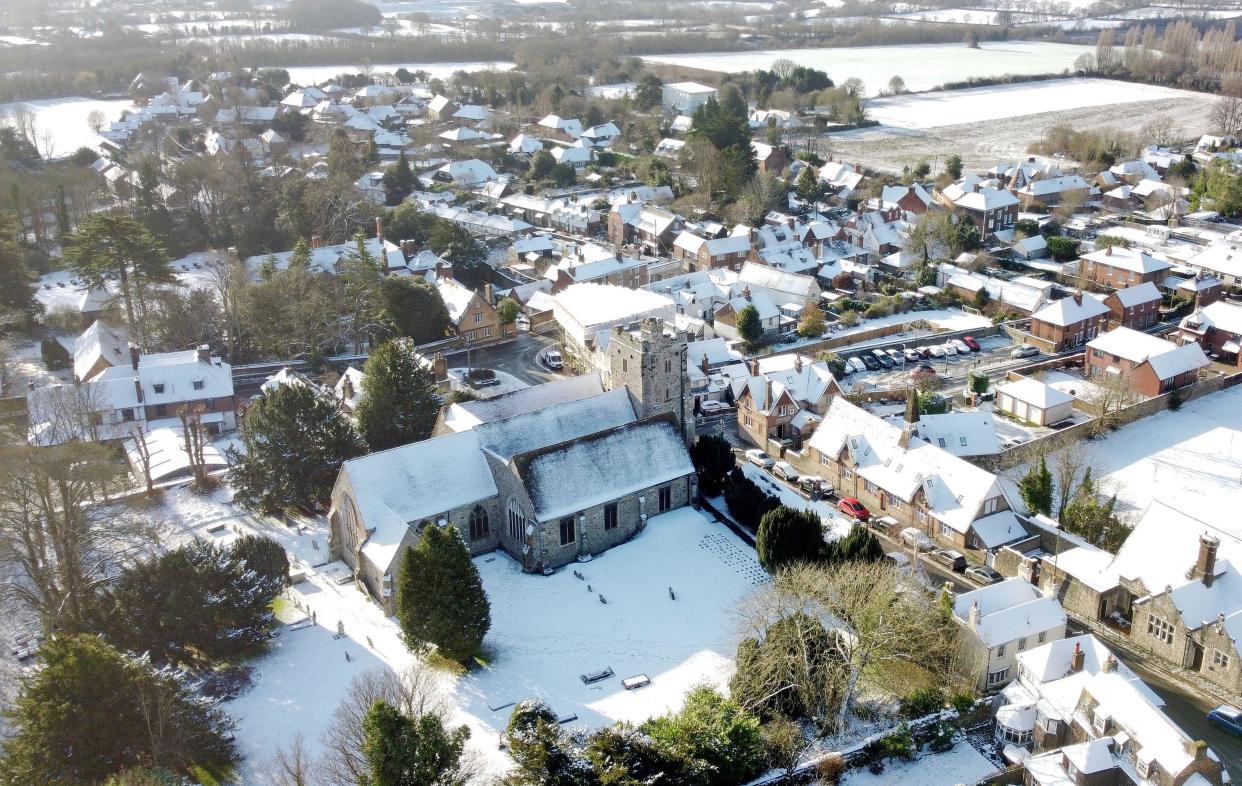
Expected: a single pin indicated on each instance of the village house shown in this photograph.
(683, 98)
(771, 158)
(840, 179)
(781, 398)
(1151, 365)
(590, 263)
(1200, 287)
(910, 199)
(472, 316)
(772, 320)
(699, 253)
(989, 208)
(1118, 267)
(587, 313)
(1217, 328)
(1091, 720)
(1068, 189)
(650, 227)
(1006, 619)
(1136, 307)
(1069, 322)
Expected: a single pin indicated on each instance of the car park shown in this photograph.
(759, 458)
(949, 349)
(970, 342)
(713, 407)
(1228, 718)
(872, 363)
(785, 471)
(911, 355)
(924, 352)
(554, 360)
(982, 574)
(853, 508)
(917, 539)
(961, 346)
(883, 358)
(936, 350)
(953, 560)
(856, 365)
(1024, 352)
(897, 358)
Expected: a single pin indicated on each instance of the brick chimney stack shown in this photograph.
(379, 232)
(1205, 565)
(134, 354)
(975, 615)
(1077, 658)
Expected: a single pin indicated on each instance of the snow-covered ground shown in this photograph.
(838, 526)
(962, 764)
(952, 107)
(1191, 458)
(66, 118)
(507, 383)
(308, 75)
(546, 631)
(922, 66)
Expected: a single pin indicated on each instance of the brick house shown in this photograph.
(1118, 267)
(1152, 365)
(782, 398)
(1217, 328)
(1069, 322)
(771, 158)
(990, 209)
(698, 253)
(1135, 307)
(472, 315)
(651, 227)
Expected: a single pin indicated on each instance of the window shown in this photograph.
(963, 441)
(479, 525)
(941, 441)
(161, 409)
(478, 319)
(487, 332)
(1021, 644)
(127, 415)
(610, 516)
(668, 366)
(388, 586)
(1220, 659)
(198, 384)
(1160, 629)
(517, 523)
(1000, 651)
(1051, 725)
(997, 677)
(990, 505)
(666, 498)
(1100, 723)
(824, 460)
(894, 503)
(1015, 736)
(846, 474)
(944, 529)
(869, 486)
(1141, 767)
(158, 387)
(922, 516)
(567, 530)
(625, 365)
(1043, 637)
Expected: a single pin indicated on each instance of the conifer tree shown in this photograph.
(1036, 488)
(786, 536)
(440, 597)
(404, 751)
(399, 402)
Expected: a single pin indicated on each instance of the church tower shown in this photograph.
(651, 364)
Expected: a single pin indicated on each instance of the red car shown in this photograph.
(853, 508)
(970, 342)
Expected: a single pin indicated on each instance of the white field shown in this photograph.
(310, 75)
(66, 119)
(963, 764)
(546, 631)
(922, 66)
(973, 105)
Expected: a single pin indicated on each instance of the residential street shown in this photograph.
(519, 357)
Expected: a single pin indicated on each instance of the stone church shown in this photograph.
(550, 474)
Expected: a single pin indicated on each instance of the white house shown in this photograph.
(1007, 619)
(685, 97)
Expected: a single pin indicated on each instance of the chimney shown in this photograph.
(618, 255)
(912, 407)
(408, 248)
(1029, 570)
(746, 293)
(1078, 298)
(975, 615)
(379, 232)
(767, 395)
(134, 355)
(316, 241)
(489, 294)
(752, 365)
(138, 391)
(1205, 566)
(703, 364)
(1110, 663)
(439, 367)
(798, 363)
(1077, 658)
(1108, 252)
(202, 353)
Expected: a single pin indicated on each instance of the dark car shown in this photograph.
(953, 560)
(982, 574)
(1228, 718)
(970, 342)
(883, 358)
(871, 363)
(853, 508)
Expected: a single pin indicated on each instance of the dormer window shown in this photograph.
(198, 384)
(1100, 723)
(158, 387)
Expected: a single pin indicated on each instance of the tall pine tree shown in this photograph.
(1036, 488)
(404, 751)
(294, 441)
(440, 597)
(788, 536)
(399, 402)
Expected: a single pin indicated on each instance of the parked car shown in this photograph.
(961, 346)
(970, 342)
(949, 349)
(713, 407)
(872, 363)
(885, 525)
(759, 458)
(897, 358)
(554, 360)
(925, 352)
(983, 574)
(922, 371)
(917, 539)
(1024, 352)
(785, 471)
(814, 484)
(1014, 441)
(883, 358)
(911, 355)
(953, 560)
(856, 365)
(936, 350)
(1228, 718)
(853, 508)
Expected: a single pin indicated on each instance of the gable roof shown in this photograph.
(1068, 311)
(456, 296)
(468, 414)
(1138, 294)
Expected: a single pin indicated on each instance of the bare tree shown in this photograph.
(192, 432)
(65, 413)
(1070, 463)
(292, 766)
(56, 542)
(143, 450)
(96, 120)
(1226, 115)
(1162, 130)
(1110, 394)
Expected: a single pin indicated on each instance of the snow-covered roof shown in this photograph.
(1222, 315)
(556, 424)
(566, 479)
(1009, 610)
(1167, 359)
(168, 458)
(1069, 311)
(963, 433)
(456, 297)
(1034, 392)
(468, 414)
(599, 304)
(778, 281)
(167, 378)
(1130, 259)
(1138, 294)
(99, 342)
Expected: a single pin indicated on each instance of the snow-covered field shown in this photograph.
(974, 105)
(1192, 458)
(546, 631)
(922, 66)
(65, 118)
(307, 75)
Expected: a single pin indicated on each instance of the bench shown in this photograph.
(636, 682)
(592, 677)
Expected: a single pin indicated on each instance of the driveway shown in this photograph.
(519, 357)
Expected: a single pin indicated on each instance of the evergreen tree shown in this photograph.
(713, 458)
(403, 751)
(87, 713)
(440, 597)
(415, 308)
(1036, 488)
(542, 753)
(507, 310)
(110, 246)
(264, 556)
(717, 731)
(861, 545)
(623, 756)
(808, 188)
(17, 284)
(295, 440)
(300, 256)
(541, 166)
(399, 402)
(398, 181)
(749, 328)
(789, 536)
(953, 166)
